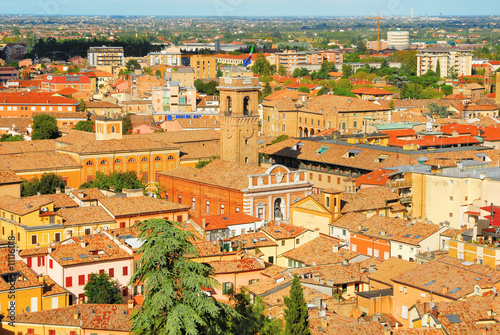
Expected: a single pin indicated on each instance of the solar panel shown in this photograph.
(84, 256)
(453, 318)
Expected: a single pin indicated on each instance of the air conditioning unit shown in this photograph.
(44, 209)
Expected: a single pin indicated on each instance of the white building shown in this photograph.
(399, 40)
(106, 56)
(170, 56)
(458, 59)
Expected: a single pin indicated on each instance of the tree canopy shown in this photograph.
(126, 124)
(118, 180)
(44, 127)
(86, 125)
(101, 289)
(11, 138)
(47, 184)
(174, 301)
(296, 313)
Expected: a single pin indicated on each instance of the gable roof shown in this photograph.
(319, 251)
(142, 205)
(214, 222)
(390, 268)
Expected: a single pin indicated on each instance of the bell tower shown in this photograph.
(239, 119)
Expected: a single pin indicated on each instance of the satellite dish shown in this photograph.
(482, 176)
(28, 309)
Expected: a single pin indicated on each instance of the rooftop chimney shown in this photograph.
(130, 304)
(204, 223)
(76, 315)
(58, 190)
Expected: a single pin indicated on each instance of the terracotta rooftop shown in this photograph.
(293, 95)
(89, 194)
(23, 206)
(50, 287)
(197, 151)
(358, 328)
(378, 177)
(127, 144)
(214, 222)
(28, 279)
(94, 317)
(139, 206)
(102, 104)
(236, 266)
(9, 177)
(84, 215)
(377, 226)
(38, 161)
(449, 277)
(367, 199)
(416, 233)
(35, 98)
(319, 251)
(390, 268)
(7, 148)
(327, 103)
(283, 230)
(34, 251)
(252, 240)
(88, 249)
(61, 200)
(221, 173)
(371, 91)
(208, 123)
(16, 122)
(180, 137)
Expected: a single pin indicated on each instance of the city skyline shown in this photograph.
(323, 8)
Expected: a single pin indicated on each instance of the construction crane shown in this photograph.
(378, 18)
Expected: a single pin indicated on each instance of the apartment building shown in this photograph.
(52, 83)
(8, 73)
(106, 56)
(205, 66)
(174, 98)
(24, 104)
(450, 59)
(398, 39)
(292, 58)
(170, 56)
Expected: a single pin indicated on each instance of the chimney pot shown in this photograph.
(204, 223)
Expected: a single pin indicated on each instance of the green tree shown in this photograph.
(438, 69)
(296, 313)
(439, 110)
(14, 64)
(132, 65)
(281, 71)
(101, 289)
(117, 180)
(452, 74)
(148, 70)
(86, 125)
(158, 73)
(261, 66)
(11, 138)
(126, 124)
(279, 139)
(44, 127)
(343, 92)
(304, 89)
(267, 89)
(47, 184)
(296, 73)
(82, 105)
(346, 71)
(219, 73)
(199, 85)
(361, 47)
(174, 302)
(211, 88)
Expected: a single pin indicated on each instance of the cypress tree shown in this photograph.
(438, 69)
(296, 315)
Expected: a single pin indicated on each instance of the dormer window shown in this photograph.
(352, 153)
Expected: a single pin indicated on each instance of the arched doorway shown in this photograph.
(228, 104)
(312, 132)
(301, 132)
(279, 209)
(246, 105)
(305, 132)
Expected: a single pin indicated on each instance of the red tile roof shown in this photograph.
(64, 79)
(33, 98)
(371, 91)
(378, 177)
(434, 141)
(448, 129)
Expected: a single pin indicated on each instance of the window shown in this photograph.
(450, 215)
(193, 204)
(51, 264)
(283, 128)
(157, 158)
(207, 209)
(131, 160)
(144, 159)
(222, 209)
(118, 161)
(125, 271)
(451, 198)
(81, 280)
(28, 262)
(297, 241)
(69, 281)
(33, 239)
(111, 272)
(179, 199)
(270, 259)
(404, 312)
(227, 288)
(57, 237)
(87, 231)
(355, 124)
(170, 157)
(89, 163)
(104, 162)
(18, 237)
(283, 243)
(101, 271)
(41, 261)
(284, 116)
(260, 213)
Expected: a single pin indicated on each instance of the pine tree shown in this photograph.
(174, 302)
(438, 69)
(296, 314)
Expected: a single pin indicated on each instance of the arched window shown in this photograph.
(144, 159)
(170, 157)
(246, 102)
(131, 160)
(90, 163)
(113, 129)
(157, 158)
(118, 161)
(104, 162)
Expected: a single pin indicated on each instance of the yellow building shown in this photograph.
(205, 66)
(317, 211)
(479, 253)
(32, 292)
(31, 220)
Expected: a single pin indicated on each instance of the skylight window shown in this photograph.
(323, 149)
(430, 283)
(352, 153)
(84, 256)
(407, 235)
(453, 318)
(380, 158)
(363, 230)
(263, 239)
(467, 263)
(417, 236)
(455, 290)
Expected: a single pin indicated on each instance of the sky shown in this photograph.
(250, 7)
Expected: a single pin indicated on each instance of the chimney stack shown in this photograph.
(58, 190)
(204, 223)
(131, 304)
